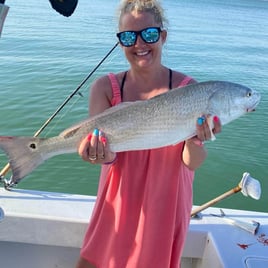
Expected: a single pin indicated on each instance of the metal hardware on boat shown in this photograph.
(197, 216)
(8, 184)
(251, 227)
(2, 214)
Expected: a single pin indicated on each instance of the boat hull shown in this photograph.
(44, 229)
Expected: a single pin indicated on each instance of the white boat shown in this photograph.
(46, 230)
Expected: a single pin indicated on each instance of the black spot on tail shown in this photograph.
(33, 145)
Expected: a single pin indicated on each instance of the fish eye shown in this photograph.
(249, 94)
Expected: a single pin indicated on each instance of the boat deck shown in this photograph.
(44, 229)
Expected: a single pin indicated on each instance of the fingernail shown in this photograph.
(89, 136)
(216, 119)
(96, 132)
(103, 140)
(102, 137)
(200, 121)
(199, 142)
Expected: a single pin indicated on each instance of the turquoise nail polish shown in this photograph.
(96, 132)
(200, 121)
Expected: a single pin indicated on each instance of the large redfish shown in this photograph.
(163, 120)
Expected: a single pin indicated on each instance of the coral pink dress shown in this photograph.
(143, 208)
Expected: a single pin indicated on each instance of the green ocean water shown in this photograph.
(45, 56)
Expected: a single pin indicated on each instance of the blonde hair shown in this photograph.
(151, 6)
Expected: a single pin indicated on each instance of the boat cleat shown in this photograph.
(251, 227)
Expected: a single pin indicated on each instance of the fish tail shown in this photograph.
(23, 155)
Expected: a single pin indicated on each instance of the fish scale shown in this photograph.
(163, 120)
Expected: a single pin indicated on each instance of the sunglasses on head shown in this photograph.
(149, 35)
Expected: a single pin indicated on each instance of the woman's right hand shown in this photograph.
(95, 149)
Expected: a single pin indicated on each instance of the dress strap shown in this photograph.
(122, 85)
(116, 99)
(170, 80)
(118, 90)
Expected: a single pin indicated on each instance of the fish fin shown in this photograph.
(69, 132)
(117, 107)
(73, 129)
(23, 155)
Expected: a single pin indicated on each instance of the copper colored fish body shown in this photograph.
(163, 120)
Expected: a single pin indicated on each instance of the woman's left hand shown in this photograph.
(194, 152)
(206, 128)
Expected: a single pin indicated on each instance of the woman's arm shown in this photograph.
(95, 148)
(194, 152)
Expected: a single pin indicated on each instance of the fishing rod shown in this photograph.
(8, 183)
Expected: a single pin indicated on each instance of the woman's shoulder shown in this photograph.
(105, 80)
(180, 78)
(103, 88)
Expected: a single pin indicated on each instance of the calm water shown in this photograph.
(45, 56)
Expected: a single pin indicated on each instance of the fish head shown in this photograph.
(231, 100)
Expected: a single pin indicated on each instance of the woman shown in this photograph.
(144, 198)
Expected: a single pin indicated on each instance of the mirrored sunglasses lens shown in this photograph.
(150, 35)
(127, 38)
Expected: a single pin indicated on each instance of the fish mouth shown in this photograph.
(250, 110)
(253, 108)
